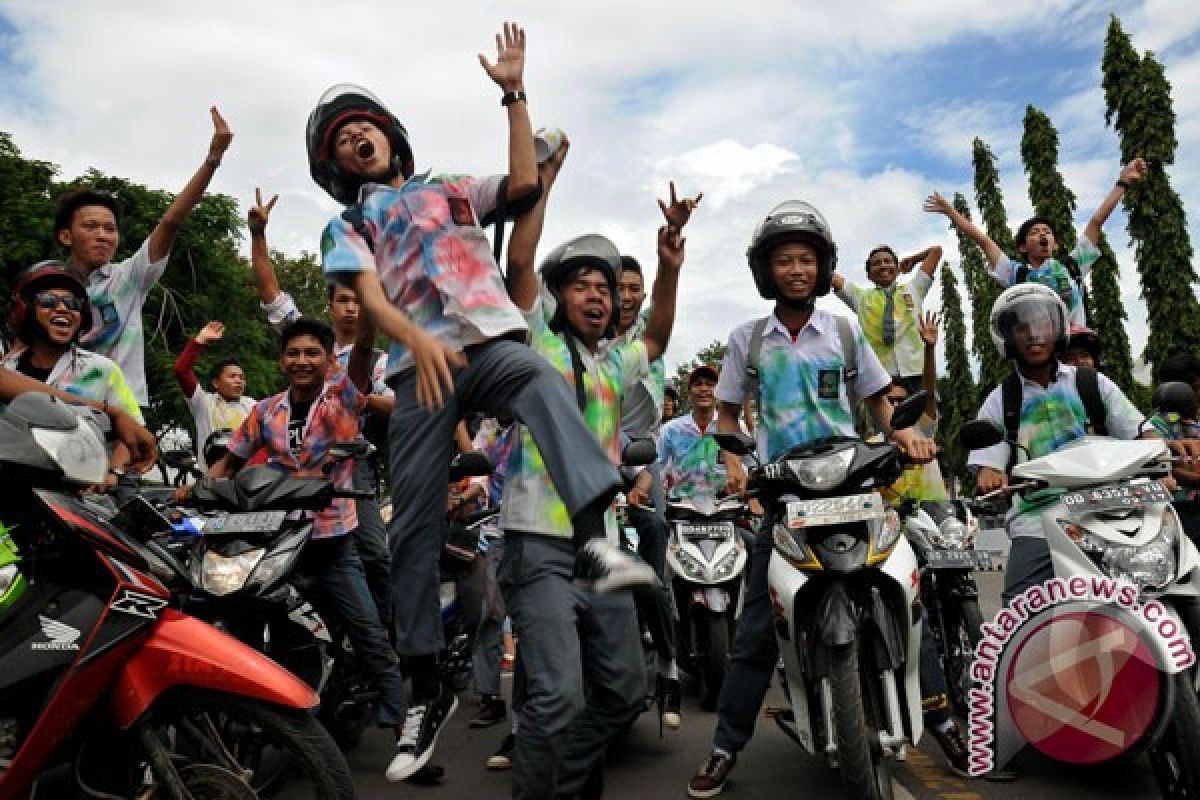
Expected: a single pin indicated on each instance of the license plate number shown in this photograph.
(959, 559)
(712, 531)
(834, 510)
(1125, 495)
(249, 522)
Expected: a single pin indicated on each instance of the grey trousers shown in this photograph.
(488, 649)
(569, 639)
(371, 541)
(501, 377)
(1028, 565)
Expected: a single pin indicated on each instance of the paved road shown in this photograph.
(642, 765)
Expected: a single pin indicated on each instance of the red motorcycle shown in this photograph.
(104, 690)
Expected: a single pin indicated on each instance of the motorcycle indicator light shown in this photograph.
(821, 473)
(792, 547)
(884, 538)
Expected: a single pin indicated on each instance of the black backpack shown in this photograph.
(1087, 381)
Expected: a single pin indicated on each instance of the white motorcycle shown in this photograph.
(1115, 520)
(842, 582)
(706, 559)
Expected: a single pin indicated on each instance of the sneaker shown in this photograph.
(491, 711)
(610, 568)
(502, 758)
(709, 780)
(667, 693)
(419, 735)
(955, 747)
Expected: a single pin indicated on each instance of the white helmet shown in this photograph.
(1025, 304)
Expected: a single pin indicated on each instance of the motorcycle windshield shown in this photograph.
(1091, 460)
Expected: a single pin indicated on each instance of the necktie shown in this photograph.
(889, 315)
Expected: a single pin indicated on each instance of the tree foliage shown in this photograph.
(989, 198)
(956, 400)
(983, 292)
(1140, 110)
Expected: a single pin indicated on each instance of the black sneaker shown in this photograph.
(954, 747)
(502, 758)
(419, 735)
(609, 568)
(491, 710)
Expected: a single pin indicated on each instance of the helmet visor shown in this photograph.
(1032, 320)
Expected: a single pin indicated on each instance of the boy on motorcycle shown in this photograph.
(566, 634)
(804, 395)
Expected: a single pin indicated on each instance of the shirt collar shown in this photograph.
(419, 179)
(696, 425)
(1061, 371)
(816, 320)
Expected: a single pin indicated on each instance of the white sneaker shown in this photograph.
(610, 568)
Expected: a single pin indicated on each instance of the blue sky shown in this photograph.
(862, 108)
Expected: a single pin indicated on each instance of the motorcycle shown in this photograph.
(108, 691)
(948, 559)
(706, 559)
(843, 589)
(1114, 519)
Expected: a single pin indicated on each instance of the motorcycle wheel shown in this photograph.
(716, 659)
(1176, 756)
(857, 711)
(959, 652)
(262, 747)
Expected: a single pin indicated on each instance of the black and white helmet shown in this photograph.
(337, 106)
(1026, 305)
(793, 220)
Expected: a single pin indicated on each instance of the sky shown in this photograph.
(860, 108)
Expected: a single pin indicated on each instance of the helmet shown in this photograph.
(45, 275)
(1081, 336)
(216, 445)
(565, 261)
(340, 104)
(792, 220)
(1022, 304)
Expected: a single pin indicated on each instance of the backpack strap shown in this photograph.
(753, 382)
(1011, 395)
(354, 215)
(849, 351)
(1087, 382)
(1022, 274)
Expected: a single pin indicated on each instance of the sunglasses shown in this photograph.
(896, 400)
(51, 301)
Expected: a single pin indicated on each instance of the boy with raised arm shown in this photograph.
(226, 406)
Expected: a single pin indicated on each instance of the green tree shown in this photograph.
(1138, 96)
(989, 198)
(26, 211)
(957, 390)
(712, 355)
(983, 292)
(1052, 199)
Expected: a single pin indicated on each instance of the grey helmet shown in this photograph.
(590, 250)
(798, 221)
(1024, 304)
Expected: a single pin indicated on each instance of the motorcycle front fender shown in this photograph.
(185, 652)
(838, 621)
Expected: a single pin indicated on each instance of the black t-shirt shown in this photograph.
(25, 367)
(297, 425)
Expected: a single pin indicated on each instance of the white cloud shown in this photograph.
(727, 169)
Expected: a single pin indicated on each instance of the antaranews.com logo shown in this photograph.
(1073, 667)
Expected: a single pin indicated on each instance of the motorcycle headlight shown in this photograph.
(725, 566)
(79, 453)
(691, 567)
(822, 472)
(953, 535)
(283, 555)
(792, 546)
(887, 536)
(222, 575)
(1150, 567)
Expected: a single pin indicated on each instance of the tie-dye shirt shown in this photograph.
(332, 418)
(691, 458)
(497, 442)
(906, 354)
(922, 483)
(642, 409)
(1051, 417)
(433, 260)
(803, 394)
(1054, 274)
(117, 293)
(89, 375)
(531, 504)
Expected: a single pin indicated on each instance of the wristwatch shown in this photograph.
(515, 96)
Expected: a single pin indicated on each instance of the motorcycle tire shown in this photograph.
(959, 652)
(1176, 756)
(857, 709)
(716, 660)
(274, 747)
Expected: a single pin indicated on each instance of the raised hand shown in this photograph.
(937, 204)
(508, 71)
(256, 217)
(670, 247)
(1134, 171)
(212, 332)
(679, 211)
(929, 326)
(222, 135)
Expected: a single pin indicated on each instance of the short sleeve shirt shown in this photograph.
(1051, 417)
(433, 260)
(691, 458)
(906, 354)
(1053, 273)
(117, 293)
(89, 375)
(331, 419)
(531, 504)
(803, 392)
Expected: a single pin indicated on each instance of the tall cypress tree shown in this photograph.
(983, 292)
(1052, 199)
(957, 391)
(989, 198)
(1138, 96)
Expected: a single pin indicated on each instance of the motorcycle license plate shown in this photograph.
(720, 530)
(959, 559)
(1124, 495)
(834, 510)
(248, 522)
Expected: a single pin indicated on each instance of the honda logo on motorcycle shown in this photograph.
(61, 636)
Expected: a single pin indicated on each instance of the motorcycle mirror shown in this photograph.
(909, 412)
(1174, 397)
(639, 453)
(740, 444)
(980, 433)
(470, 465)
(342, 451)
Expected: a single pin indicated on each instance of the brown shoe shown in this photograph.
(955, 748)
(709, 780)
